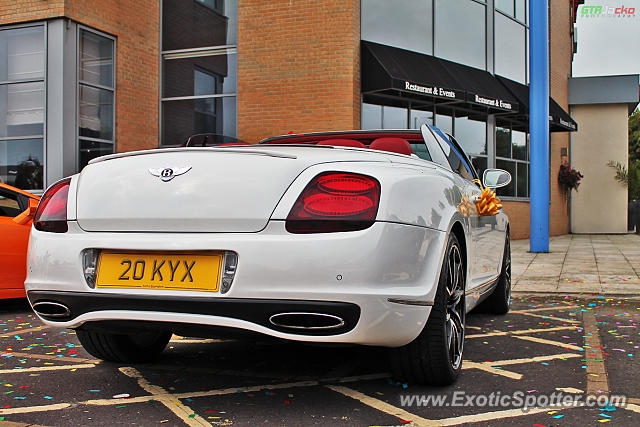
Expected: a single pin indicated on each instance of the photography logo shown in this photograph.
(608, 12)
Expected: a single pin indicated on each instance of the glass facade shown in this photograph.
(460, 32)
(518, 9)
(510, 49)
(512, 154)
(199, 69)
(445, 123)
(22, 106)
(456, 30)
(96, 96)
(472, 135)
(420, 117)
(407, 24)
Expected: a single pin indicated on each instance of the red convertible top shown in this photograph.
(365, 137)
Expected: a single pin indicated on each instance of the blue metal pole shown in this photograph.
(539, 124)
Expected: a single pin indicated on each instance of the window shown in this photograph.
(406, 24)
(383, 117)
(394, 118)
(479, 164)
(510, 50)
(188, 24)
(22, 98)
(512, 155)
(371, 115)
(444, 123)
(456, 158)
(522, 10)
(517, 9)
(460, 32)
(420, 149)
(96, 96)
(472, 137)
(199, 69)
(506, 6)
(9, 204)
(217, 5)
(419, 118)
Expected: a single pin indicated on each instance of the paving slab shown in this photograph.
(578, 264)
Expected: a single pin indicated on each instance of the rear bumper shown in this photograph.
(352, 275)
(257, 311)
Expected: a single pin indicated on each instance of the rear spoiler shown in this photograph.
(236, 149)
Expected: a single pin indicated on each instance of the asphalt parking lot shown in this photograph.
(563, 345)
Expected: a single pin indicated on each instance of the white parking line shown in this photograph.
(631, 407)
(495, 415)
(22, 331)
(560, 308)
(491, 367)
(384, 406)
(187, 395)
(186, 414)
(47, 368)
(159, 394)
(488, 368)
(520, 332)
(543, 316)
(30, 409)
(534, 359)
(550, 342)
(49, 357)
(178, 338)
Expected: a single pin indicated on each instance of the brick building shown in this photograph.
(81, 78)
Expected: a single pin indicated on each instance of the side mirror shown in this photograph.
(27, 215)
(496, 178)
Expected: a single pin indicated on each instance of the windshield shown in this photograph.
(400, 142)
(212, 140)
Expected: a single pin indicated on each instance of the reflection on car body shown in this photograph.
(339, 237)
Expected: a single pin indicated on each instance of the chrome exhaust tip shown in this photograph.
(308, 321)
(51, 309)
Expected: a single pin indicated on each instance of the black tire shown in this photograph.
(124, 348)
(435, 356)
(499, 301)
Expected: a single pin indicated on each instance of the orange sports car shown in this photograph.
(17, 208)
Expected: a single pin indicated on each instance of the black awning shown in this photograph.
(481, 87)
(392, 74)
(390, 70)
(559, 120)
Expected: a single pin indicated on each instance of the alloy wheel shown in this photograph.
(454, 325)
(507, 269)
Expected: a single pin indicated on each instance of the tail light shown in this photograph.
(335, 201)
(51, 214)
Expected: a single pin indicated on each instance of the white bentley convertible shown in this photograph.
(363, 237)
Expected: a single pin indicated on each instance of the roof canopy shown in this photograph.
(559, 120)
(605, 90)
(402, 78)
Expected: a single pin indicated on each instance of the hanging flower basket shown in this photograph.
(569, 178)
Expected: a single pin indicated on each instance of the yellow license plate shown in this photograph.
(187, 271)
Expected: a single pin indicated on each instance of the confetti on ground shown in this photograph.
(121, 396)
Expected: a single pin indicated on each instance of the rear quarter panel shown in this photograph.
(416, 193)
(424, 196)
